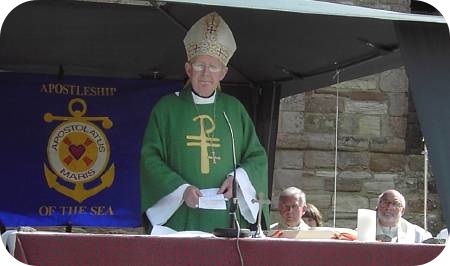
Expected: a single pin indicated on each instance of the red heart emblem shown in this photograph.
(77, 151)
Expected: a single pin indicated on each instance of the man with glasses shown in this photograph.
(187, 148)
(391, 227)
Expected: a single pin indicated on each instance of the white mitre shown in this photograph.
(211, 36)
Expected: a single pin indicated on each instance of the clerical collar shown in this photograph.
(390, 231)
(202, 100)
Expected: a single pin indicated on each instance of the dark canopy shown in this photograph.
(134, 41)
(426, 53)
(283, 49)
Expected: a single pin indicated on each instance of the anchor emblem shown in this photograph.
(78, 153)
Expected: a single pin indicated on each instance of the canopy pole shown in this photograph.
(425, 185)
(336, 76)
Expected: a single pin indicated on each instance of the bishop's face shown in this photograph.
(205, 73)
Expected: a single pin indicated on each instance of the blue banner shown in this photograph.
(71, 148)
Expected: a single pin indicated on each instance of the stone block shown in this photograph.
(325, 173)
(378, 187)
(323, 104)
(320, 141)
(353, 143)
(343, 223)
(433, 202)
(367, 96)
(291, 141)
(348, 124)
(394, 80)
(393, 126)
(361, 84)
(343, 215)
(311, 183)
(289, 159)
(344, 185)
(284, 178)
(373, 202)
(369, 126)
(319, 123)
(319, 159)
(365, 107)
(398, 104)
(293, 103)
(321, 201)
(416, 162)
(385, 177)
(353, 161)
(415, 203)
(355, 174)
(387, 145)
(381, 162)
(407, 184)
(291, 122)
(332, 91)
(350, 202)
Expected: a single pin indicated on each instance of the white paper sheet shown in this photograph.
(211, 200)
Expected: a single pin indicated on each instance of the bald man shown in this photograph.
(391, 227)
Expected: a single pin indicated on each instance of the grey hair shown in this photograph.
(397, 193)
(294, 192)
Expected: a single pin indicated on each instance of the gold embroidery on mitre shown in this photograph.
(210, 27)
(210, 36)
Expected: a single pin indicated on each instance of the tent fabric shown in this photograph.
(426, 52)
(301, 51)
(318, 7)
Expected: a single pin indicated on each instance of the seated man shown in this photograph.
(391, 227)
(292, 206)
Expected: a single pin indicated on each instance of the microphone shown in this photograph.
(234, 229)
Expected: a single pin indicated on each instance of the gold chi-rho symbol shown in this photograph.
(203, 141)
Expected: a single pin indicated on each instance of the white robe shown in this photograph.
(406, 232)
(281, 226)
(443, 234)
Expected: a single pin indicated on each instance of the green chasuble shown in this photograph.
(185, 143)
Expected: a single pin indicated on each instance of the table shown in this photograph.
(95, 249)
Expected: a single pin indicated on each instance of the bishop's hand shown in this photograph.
(227, 187)
(191, 195)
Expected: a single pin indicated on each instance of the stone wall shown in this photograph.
(372, 138)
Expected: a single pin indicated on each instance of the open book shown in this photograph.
(316, 233)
